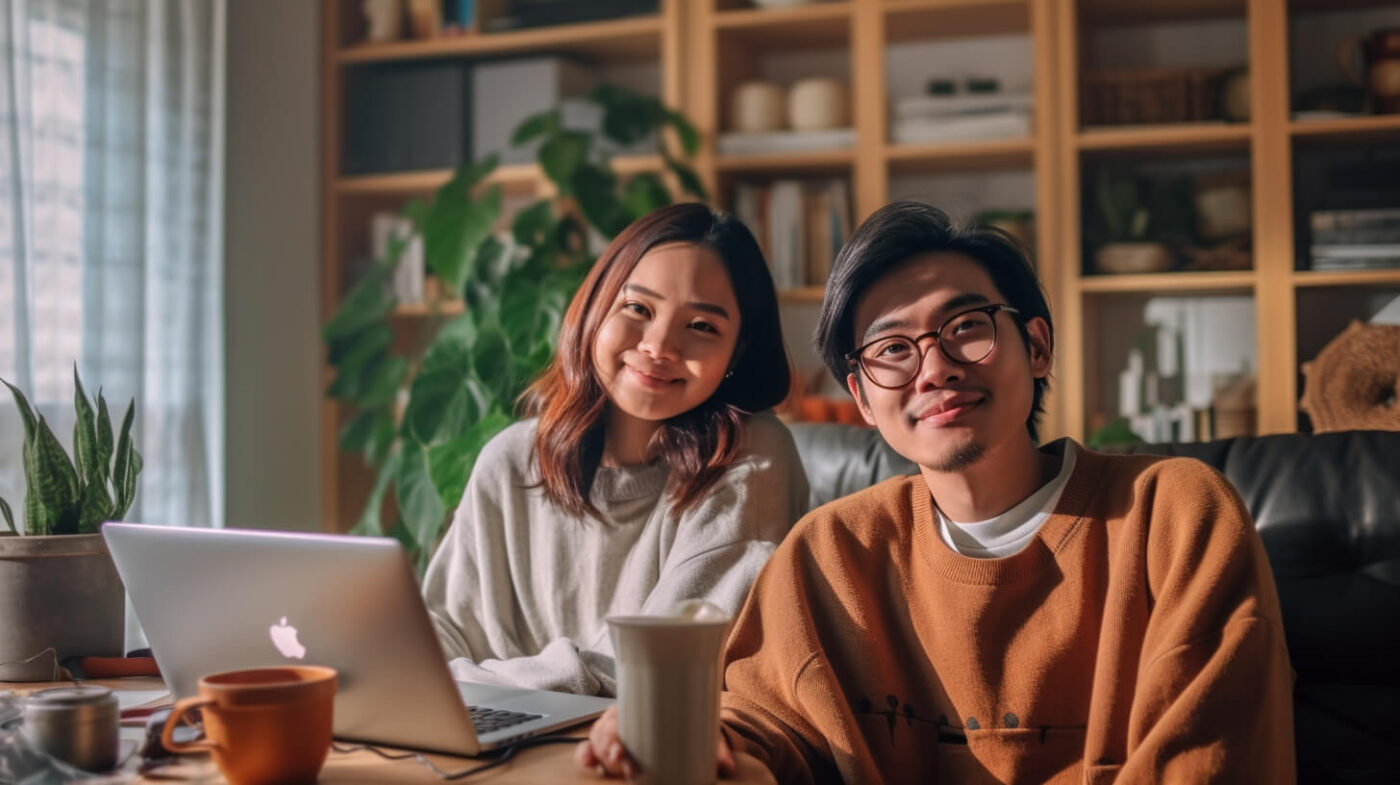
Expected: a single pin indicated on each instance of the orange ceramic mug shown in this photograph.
(264, 725)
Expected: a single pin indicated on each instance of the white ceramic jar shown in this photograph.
(757, 106)
(818, 103)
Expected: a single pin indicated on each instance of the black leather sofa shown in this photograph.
(1328, 510)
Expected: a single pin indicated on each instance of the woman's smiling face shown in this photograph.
(668, 338)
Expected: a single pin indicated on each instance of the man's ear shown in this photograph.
(1041, 347)
(857, 392)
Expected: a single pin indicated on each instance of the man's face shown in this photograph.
(951, 414)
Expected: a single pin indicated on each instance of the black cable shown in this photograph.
(505, 755)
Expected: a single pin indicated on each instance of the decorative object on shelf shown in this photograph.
(1234, 95)
(949, 117)
(1017, 222)
(818, 103)
(1233, 409)
(982, 85)
(1355, 239)
(1354, 382)
(1373, 61)
(941, 85)
(425, 18)
(1137, 222)
(1152, 95)
(60, 595)
(383, 20)
(1123, 258)
(515, 287)
(1224, 222)
(757, 106)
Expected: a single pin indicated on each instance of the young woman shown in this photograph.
(644, 476)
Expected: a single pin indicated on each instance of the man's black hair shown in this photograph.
(902, 230)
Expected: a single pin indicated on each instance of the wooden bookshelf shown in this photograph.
(617, 40)
(703, 48)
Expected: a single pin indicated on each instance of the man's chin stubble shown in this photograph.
(960, 458)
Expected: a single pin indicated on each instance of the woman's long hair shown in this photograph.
(697, 445)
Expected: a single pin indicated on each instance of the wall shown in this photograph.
(271, 250)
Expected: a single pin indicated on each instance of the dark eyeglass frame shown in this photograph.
(937, 335)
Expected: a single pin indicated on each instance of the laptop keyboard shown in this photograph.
(489, 720)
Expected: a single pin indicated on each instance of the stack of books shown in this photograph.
(408, 282)
(1355, 239)
(799, 224)
(930, 119)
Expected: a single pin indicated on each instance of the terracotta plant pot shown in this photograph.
(58, 592)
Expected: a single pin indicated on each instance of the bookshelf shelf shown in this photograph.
(515, 177)
(815, 162)
(1137, 12)
(1347, 127)
(1185, 137)
(815, 26)
(1000, 153)
(1309, 278)
(1154, 283)
(925, 20)
(442, 308)
(618, 40)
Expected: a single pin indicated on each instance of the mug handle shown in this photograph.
(167, 733)
(1349, 55)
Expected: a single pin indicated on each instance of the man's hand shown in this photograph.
(603, 751)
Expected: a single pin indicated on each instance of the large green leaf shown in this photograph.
(127, 465)
(85, 451)
(644, 193)
(532, 224)
(596, 188)
(369, 302)
(457, 226)
(31, 422)
(358, 434)
(104, 436)
(9, 515)
(562, 155)
(95, 507)
(535, 126)
(382, 381)
(57, 481)
(450, 463)
(490, 360)
(444, 399)
(419, 504)
(370, 520)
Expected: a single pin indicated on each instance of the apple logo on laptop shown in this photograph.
(284, 637)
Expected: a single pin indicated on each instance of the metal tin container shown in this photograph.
(77, 725)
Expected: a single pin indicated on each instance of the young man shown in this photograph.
(1010, 613)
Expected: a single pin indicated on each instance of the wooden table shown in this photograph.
(552, 763)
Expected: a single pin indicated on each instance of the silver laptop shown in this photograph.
(213, 600)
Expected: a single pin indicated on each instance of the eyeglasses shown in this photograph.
(966, 337)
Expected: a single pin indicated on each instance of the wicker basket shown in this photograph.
(1151, 95)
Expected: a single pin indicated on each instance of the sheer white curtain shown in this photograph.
(111, 203)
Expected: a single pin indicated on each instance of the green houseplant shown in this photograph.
(515, 285)
(59, 592)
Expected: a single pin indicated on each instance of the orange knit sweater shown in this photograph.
(1136, 639)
